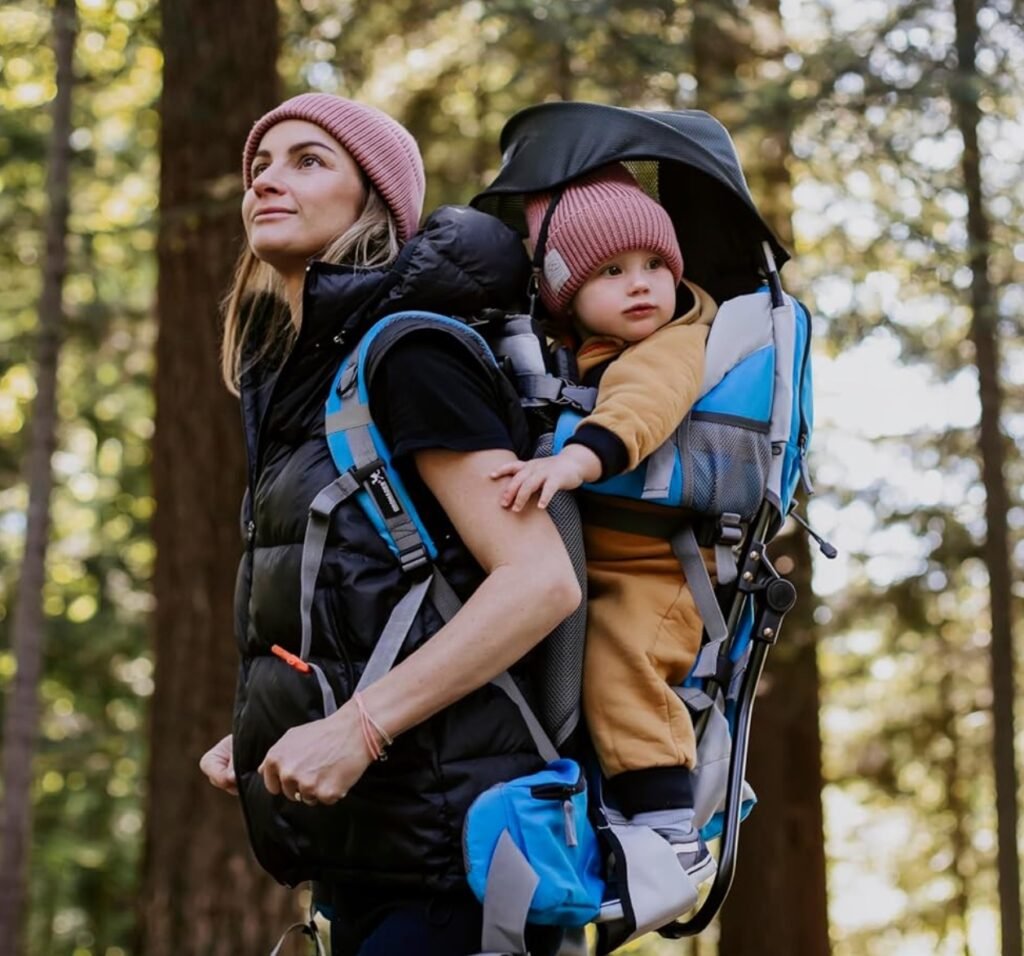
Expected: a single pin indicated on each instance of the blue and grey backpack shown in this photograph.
(538, 848)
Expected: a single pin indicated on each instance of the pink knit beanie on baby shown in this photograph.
(382, 148)
(598, 217)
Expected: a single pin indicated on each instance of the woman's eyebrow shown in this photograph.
(299, 146)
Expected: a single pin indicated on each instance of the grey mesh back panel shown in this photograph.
(561, 653)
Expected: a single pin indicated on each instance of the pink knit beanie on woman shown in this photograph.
(382, 148)
(598, 217)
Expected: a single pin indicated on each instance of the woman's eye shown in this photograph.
(308, 159)
(257, 169)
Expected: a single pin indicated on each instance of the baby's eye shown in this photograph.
(612, 270)
(655, 262)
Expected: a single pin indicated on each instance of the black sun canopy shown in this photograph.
(684, 158)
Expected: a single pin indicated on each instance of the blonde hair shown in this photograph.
(370, 242)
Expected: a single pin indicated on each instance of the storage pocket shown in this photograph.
(725, 463)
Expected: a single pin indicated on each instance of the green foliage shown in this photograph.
(90, 761)
(880, 250)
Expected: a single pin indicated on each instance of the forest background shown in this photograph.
(882, 140)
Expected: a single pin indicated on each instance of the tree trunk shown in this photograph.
(21, 718)
(203, 893)
(984, 335)
(779, 893)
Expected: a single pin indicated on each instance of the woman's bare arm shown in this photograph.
(530, 587)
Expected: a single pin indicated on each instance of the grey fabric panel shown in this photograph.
(351, 415)
(782, 409)
(560, 655)
(314, 539)
(659, 888)
(742, 326)
(390, 642)
(658, 476)
(784, 320)
(511, 883)
(541, 740)
(711, 775)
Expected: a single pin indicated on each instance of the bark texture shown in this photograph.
(984, 335)
(21, 715)
(203, 893)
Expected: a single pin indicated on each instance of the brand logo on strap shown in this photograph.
(379, 486)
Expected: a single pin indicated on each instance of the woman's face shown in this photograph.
(306, 191)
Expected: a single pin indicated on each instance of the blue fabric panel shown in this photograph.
(338, 442)
(747, 389)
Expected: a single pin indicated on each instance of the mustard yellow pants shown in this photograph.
(643, 633)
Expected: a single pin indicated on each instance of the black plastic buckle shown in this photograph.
(362, 474)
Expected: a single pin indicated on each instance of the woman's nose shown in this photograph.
(266, 182)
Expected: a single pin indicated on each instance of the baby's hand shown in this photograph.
(567, 470)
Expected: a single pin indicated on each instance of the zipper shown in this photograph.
(558, 791)
(803, 432)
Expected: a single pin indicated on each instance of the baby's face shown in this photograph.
(629, 296)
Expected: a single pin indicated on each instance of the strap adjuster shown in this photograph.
(729, 529)
(362, 472)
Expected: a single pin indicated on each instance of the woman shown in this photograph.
(333, 196)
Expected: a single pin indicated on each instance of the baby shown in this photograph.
(612, 277)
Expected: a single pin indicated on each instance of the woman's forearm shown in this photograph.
(513, 609)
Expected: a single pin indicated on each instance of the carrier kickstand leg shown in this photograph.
(773, 596)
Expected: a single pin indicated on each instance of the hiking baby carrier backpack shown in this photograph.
(734, 464)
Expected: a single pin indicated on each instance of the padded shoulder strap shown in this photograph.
(389, 331)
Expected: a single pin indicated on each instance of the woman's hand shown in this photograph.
(318, 762)
(571, 467)
(219, 766)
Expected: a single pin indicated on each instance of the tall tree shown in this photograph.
(21, 717)
(996, 550)
(203, 894)
(782, 844)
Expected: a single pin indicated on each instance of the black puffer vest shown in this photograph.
(400, 826)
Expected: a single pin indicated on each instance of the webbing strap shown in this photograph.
(317, 525)
(390, 642)
(511, 883)
(350, 415)
(658, 477)
(687, 551)
(307, 929)
(446, 602)
(541, 740)
(694, 698)
(725, 563)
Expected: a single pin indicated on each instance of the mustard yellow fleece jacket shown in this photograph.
(650, 385)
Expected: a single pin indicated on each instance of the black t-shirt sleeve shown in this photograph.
(431, 393)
